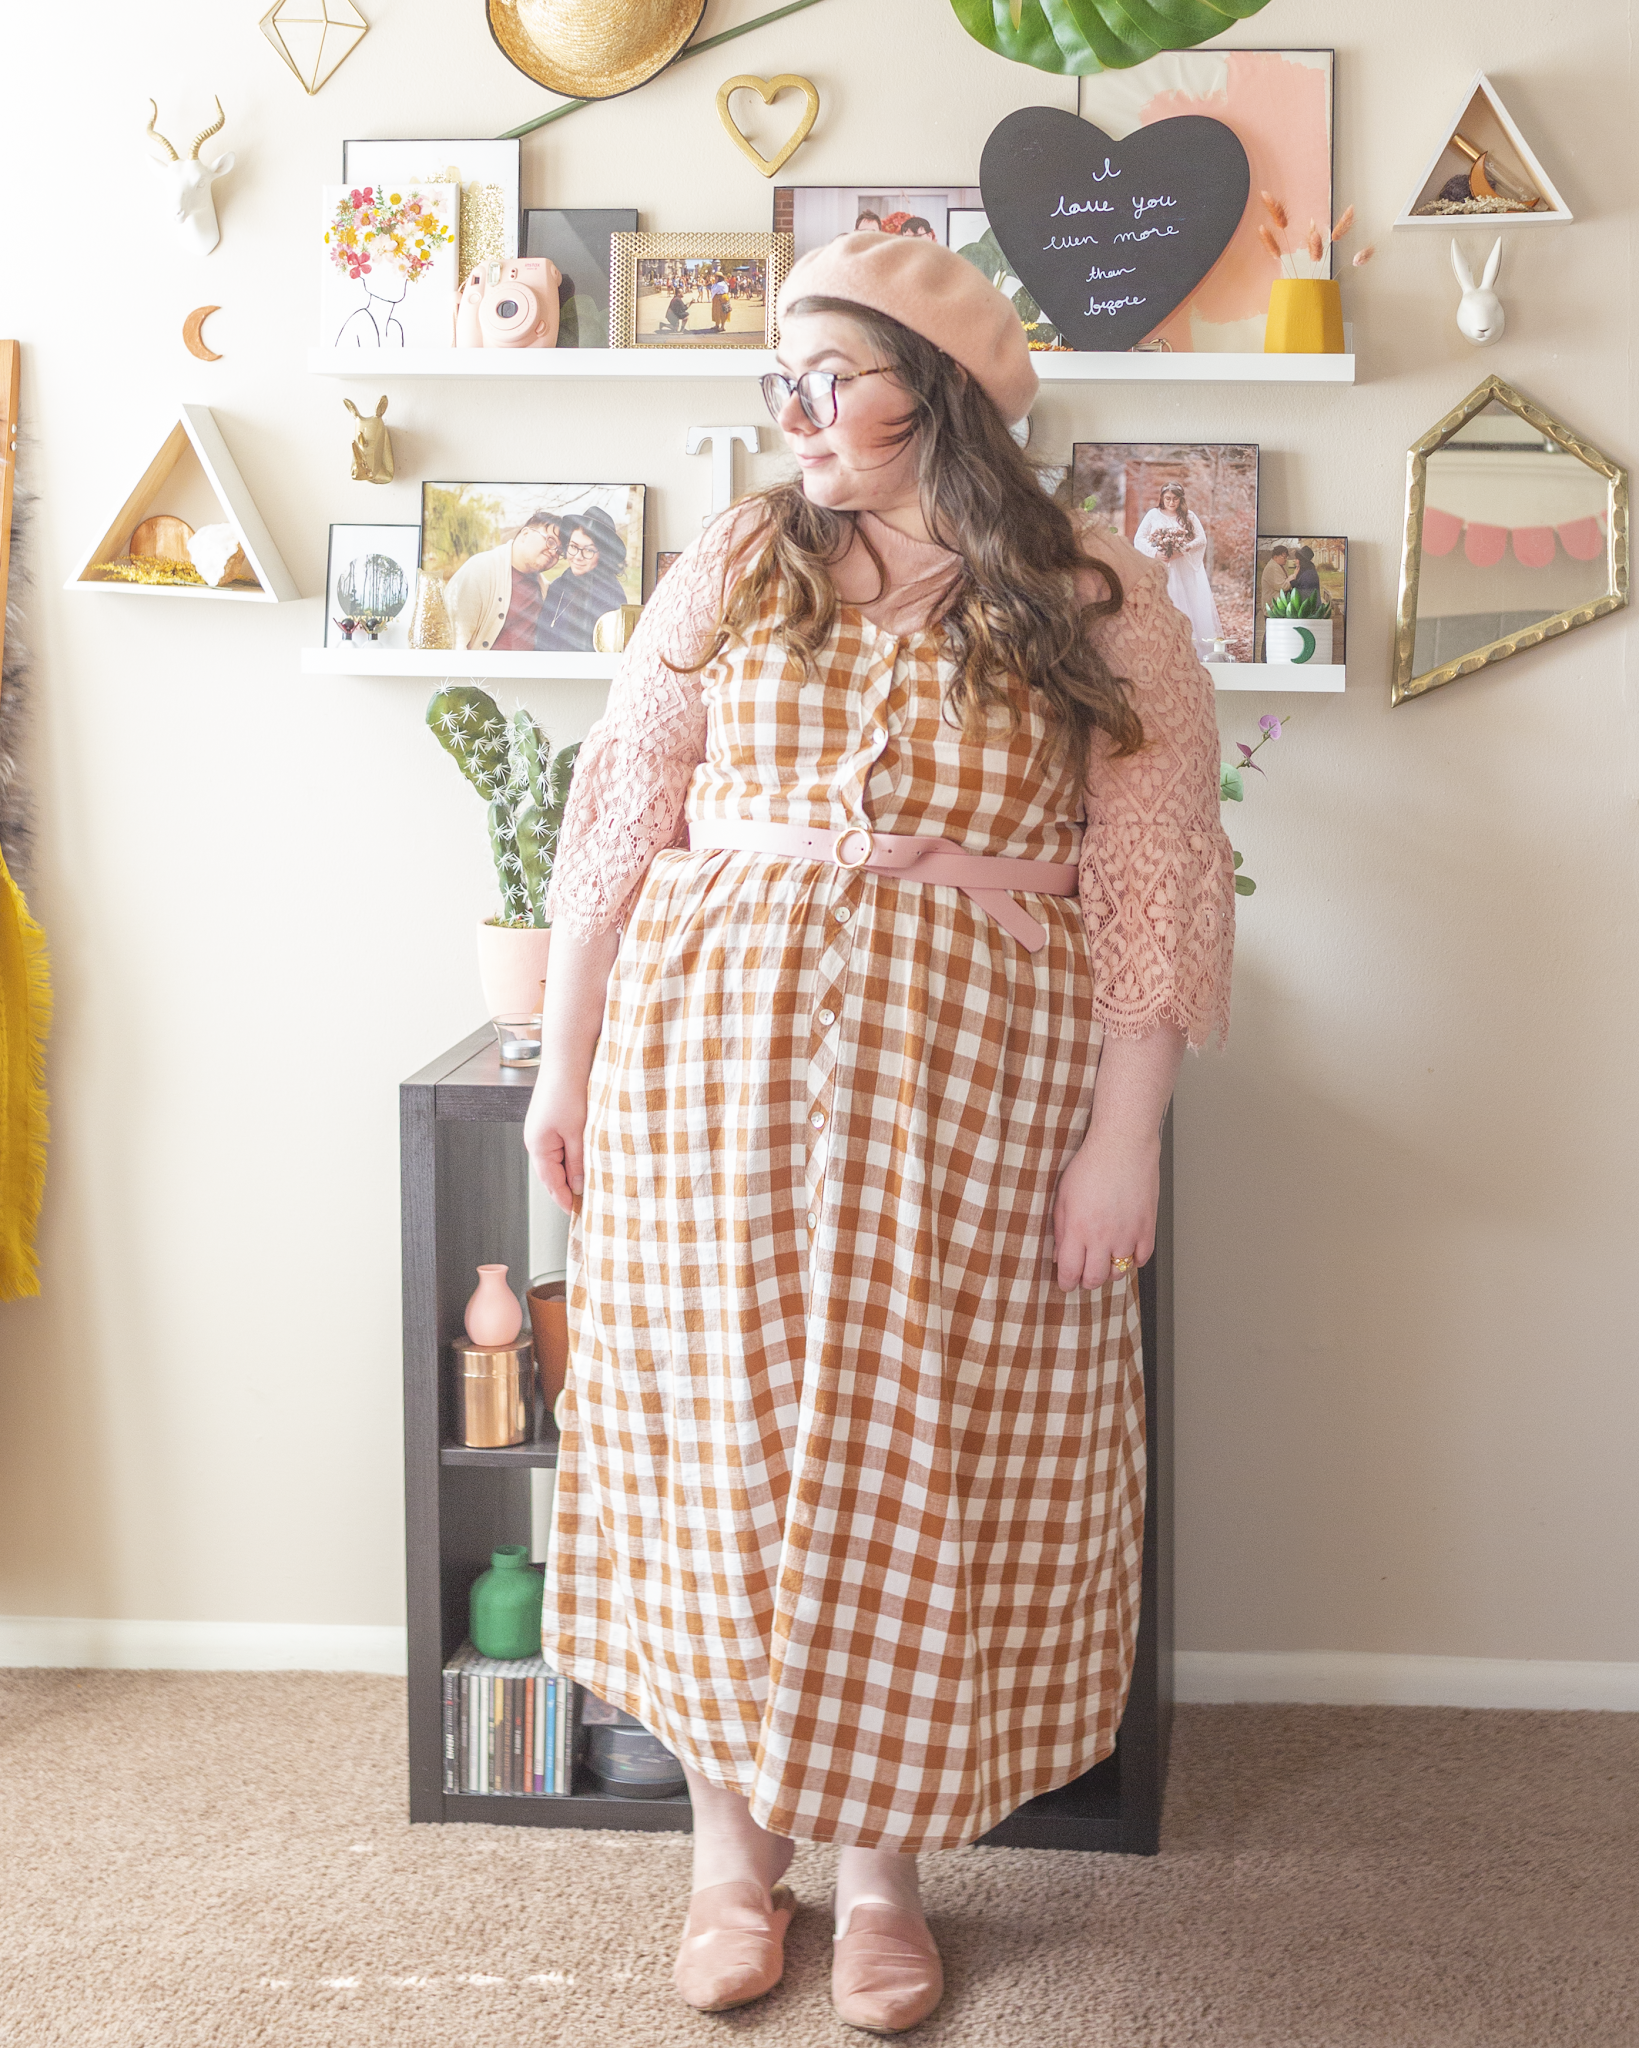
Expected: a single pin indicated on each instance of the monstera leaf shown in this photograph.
(1079, 36)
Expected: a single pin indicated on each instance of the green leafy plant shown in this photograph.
(513, 768)
(987, 257)
(1298, 604)
(1232, 784)
(1078, 37)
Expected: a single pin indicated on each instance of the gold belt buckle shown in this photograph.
(850, 832)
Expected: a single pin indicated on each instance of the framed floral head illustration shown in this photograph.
(389, 266)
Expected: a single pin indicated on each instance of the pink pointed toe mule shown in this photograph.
(733, 1944)
(885, 1973)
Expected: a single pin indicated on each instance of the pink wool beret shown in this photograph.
(935, 293)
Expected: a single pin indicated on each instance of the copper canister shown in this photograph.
(494, 1392)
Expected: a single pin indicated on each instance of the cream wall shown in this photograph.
(1406, 1388)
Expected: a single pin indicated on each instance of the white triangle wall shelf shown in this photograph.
(1487, 123)
(195, 434)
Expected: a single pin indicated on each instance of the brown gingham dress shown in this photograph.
(850, 1494)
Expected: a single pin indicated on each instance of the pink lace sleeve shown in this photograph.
(626, 801)
(1157, 881)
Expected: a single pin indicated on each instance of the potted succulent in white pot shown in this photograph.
(1298, 627)
(513, 768)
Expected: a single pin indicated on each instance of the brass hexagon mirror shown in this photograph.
(1516, 531)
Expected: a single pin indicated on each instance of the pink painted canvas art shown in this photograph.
(1279, 104)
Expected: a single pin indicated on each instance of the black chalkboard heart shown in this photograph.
(1110, 237)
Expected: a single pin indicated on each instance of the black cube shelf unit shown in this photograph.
(465, 1202)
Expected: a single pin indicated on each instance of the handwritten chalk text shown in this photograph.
(1141, 206)
(1145, 234)
(1095, 306)
(1126, 270)
(1068, 242)
(1068, 206)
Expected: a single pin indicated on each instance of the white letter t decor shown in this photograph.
(721, 440)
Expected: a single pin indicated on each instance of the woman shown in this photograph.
(1171, 533)
(850, 1491)
(1307, 579)
(594, 555)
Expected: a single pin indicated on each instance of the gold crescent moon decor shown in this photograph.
(768, 90)
(193, 333)
(592, 49)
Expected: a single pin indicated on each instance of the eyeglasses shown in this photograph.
(578, 553)
(815, 391)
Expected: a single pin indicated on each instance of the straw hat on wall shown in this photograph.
(592, 49)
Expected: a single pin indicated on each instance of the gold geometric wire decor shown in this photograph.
(1407, 683)
(314, 37)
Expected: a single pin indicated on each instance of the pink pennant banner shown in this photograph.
(1485, 546)
(1534, 546)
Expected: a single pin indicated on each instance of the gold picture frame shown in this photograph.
(692, 254)
(1407, 683)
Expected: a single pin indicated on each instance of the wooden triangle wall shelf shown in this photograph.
(196, 437)
(1486, 122)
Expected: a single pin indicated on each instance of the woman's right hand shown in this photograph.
(555, 1128)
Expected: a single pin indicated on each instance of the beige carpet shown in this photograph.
(217, 1859)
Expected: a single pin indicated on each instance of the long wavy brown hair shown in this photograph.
(1013, 614)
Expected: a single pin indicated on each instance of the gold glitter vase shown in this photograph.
(430, 625)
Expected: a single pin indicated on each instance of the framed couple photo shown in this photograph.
(531, 568)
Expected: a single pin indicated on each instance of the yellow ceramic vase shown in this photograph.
(1305, 317)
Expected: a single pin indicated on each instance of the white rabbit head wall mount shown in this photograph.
(1480, 316)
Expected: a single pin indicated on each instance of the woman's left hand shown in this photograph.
(1105, 1206)
(1108, 1194)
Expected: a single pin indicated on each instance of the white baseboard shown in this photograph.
(65, 1642)
(1353, 1678)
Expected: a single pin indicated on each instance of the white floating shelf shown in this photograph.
(1279, 676)
(1079, 367)
(416, 661)
(596, 668)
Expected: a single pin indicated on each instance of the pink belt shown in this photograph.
(983, 877)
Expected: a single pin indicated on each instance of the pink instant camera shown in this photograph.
(509, 305)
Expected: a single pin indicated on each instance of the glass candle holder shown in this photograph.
(519, 1039)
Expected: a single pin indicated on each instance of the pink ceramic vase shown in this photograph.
(494, 1314)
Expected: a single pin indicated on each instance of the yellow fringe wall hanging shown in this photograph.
(25, 1021)
(25, 975)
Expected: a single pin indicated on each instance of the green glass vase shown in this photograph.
(504, 1614)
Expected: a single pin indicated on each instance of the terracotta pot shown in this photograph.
(549, 1322)
(512, 968)
(494, 1316)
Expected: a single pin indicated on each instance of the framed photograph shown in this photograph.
(813, 214)
(663, 560)
(485, 172)
(531, 568)
(952, 214)
(576, 239)
(389, 267)
(1192, 505)
(696, 291)
(369, 585)
(1305, 562)
(1279, 104)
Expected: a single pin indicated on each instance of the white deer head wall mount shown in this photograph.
(189, 180)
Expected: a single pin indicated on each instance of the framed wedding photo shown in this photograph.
(1193, 507)
(696, 291)
(531, 568)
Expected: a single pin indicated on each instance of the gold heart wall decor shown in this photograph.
(768, 90)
